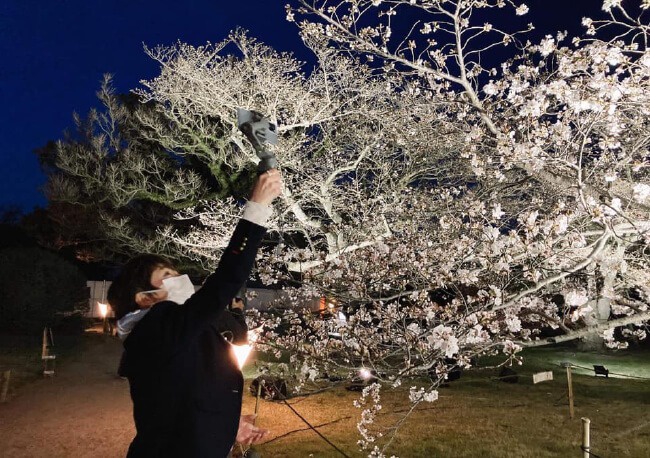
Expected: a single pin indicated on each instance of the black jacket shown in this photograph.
(185, 384)
(232, 325)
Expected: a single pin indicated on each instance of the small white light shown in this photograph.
(103, 309)
(365, 373)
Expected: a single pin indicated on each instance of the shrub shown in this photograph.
(37, 289)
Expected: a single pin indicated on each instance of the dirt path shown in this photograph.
(83, 411)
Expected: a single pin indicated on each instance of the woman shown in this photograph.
(185, 383)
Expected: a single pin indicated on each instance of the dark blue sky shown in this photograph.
(54, 53)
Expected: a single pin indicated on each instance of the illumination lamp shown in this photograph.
(103, 311)
(364, 378)
(365, 373)
(243, 351)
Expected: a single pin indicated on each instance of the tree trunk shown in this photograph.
(605, 276)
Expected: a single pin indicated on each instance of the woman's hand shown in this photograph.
(267, 187)
(248, 433)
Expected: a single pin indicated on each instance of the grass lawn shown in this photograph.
(22, 355)
(478, 416)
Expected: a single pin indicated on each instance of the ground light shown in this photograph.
(365, 377)
(241, 353)
(365, 373)
(103, 311)
(607, 366)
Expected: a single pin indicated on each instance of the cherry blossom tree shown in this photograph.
(445, 208)
(567, 121)
(550, 228)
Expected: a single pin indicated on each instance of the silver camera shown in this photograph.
(259, 130)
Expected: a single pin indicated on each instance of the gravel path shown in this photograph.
(83, 411)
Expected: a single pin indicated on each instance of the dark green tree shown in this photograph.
(37, 289)
(129, 184)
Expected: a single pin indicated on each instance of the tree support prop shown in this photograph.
(4, 385)
(585, 438)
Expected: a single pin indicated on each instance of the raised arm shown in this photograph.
(237, 260)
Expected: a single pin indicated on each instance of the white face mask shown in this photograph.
(179, 289)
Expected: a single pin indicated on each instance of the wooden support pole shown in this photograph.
(257, 398)
(4, 386)
(585, 438)
(570, 385)
(49, 360)
(44, 347)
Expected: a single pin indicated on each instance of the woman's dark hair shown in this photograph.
(134, 277)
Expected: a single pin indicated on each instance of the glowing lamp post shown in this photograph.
(103, 311)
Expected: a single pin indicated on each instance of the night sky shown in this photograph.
(54, 53)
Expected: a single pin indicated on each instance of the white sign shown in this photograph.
(542, 377)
